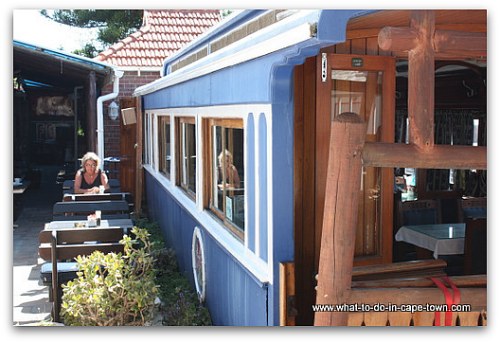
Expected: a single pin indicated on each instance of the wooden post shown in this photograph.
(421, 81)
(139, 175)
(288, 310)
(340, 216)
(91, 113)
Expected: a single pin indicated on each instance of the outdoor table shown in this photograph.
(20, 188)
(441, 239)
(125, 224)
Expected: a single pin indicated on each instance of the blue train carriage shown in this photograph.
(236, 143)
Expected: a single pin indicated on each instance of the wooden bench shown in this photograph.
(100, 197)
(79, 210)
(60, 245)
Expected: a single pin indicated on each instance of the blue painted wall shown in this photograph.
(233, 296)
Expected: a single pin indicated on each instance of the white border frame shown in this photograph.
(261, 269)
(200, 289)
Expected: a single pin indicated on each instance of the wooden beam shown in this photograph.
(460, 42)
(339, 217)
(288, 310)
(410, 156)
(397, 38)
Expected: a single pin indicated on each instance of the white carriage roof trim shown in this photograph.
(241, 51)
(235, 35)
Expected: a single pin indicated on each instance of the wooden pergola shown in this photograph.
(348, 152)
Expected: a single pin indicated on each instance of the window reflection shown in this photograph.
(228, 191)
(188, 156)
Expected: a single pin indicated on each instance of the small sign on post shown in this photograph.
(128, 115)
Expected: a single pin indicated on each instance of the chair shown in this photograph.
(419, 212)
(473, 208)
(475, 246)
(66, 244)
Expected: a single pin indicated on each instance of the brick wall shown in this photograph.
(128, 83)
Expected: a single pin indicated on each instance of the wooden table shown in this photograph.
(441, 239)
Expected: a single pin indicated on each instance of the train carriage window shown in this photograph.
(164, 143)
(187, 155)
(225, 173)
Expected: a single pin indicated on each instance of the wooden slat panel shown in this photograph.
(376, 318)
(355, 319)
(476, 297)
(399, 318)
(287, 294)
(423, 319)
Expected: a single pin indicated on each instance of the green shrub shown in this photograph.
(180, 304)
(113, 289)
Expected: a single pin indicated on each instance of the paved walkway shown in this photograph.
(30, 299)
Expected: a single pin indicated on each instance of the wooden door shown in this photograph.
(364, 85)
(314, 110)
(128, 143)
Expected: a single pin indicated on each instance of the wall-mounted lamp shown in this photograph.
(113, 110)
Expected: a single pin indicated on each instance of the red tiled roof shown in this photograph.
(163, 32)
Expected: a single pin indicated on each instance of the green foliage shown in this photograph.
(180, 301)
(181, 306)
(113, 289)
(116, 289)
(112, 25)
(88, 50)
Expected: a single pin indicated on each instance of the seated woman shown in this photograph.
(90, 177)
(230, 173)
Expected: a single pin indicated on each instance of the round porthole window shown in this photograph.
(198, 258)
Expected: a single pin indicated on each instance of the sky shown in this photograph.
(49, 34)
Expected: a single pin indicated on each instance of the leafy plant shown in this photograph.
(113, 289)
(180, 304)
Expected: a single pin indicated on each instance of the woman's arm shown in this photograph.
(104, 180)
(235, 176)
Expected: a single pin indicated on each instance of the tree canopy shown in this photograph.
(112, 25)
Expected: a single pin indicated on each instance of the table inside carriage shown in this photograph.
(440, 239)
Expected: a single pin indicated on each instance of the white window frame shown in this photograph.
(261, 269)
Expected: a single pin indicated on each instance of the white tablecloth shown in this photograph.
(441, 239)
(68, 224)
